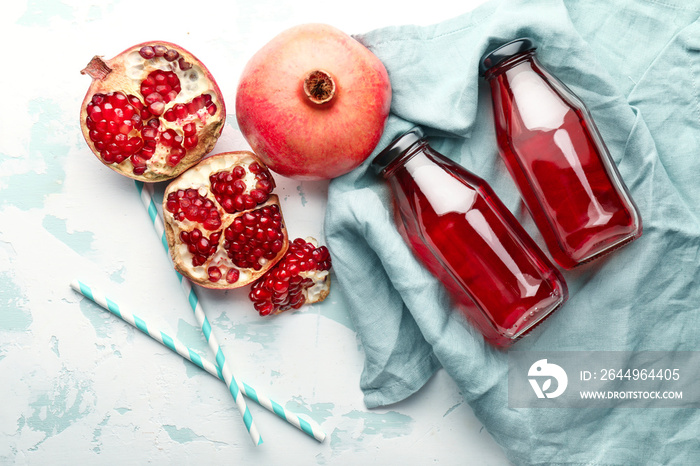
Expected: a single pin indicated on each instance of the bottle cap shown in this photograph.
(504, 52)
(397, 147)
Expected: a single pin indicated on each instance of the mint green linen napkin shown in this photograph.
(636, 64)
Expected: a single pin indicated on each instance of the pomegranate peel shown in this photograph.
(152, 111)
(223, 225)
(301, 277)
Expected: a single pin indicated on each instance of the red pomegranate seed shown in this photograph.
(189, 129)
(214, 274)
(147, 52)
(232, 275)
(175, 156)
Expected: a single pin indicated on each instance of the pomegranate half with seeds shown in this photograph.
(301, 277)
(152, 111)
(223, 225)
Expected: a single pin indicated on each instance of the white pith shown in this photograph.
(316, 291)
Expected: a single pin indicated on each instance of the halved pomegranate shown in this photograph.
(152, 111)
(301, 277)
(224, 227)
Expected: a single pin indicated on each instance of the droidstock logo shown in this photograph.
(542, 370)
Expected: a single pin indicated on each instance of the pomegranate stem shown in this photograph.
(97, 68)
(319, 87)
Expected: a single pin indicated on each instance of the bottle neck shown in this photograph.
(402, 159)
(524, 58)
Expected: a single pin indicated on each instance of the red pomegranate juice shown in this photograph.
(557, 158)
(469, 240)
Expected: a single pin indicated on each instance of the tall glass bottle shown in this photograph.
(469, 240)
(556, 156)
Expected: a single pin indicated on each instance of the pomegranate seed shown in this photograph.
(238, 187)
(147, 52)
(120, 140)
(238, 171)
(258, 196)
(175, 156)
(184, 65)
(149, 133)
(156, 108)
(128, 111)
(180, 110)
(160, 50)
(232, 275)
(214, 273)
(107, 111)
(264, 185)
(135, 101)
(146, 153)
(107, 156)
(153, 97)
(138, 162)
(166, 138)
(117, 99)
(126, 127)
(173, 80)
(189, 129)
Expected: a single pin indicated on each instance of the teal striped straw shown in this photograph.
(310, 427)
(146, 193)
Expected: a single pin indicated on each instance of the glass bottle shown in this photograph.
(469, 240)
(556, 156)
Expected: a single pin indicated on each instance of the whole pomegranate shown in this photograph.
(152, 111)
(223, 226)
(312, 102)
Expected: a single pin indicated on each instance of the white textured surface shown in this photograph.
(79, 386)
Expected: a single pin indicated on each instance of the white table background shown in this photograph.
(79, 386)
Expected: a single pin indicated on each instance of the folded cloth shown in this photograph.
(636, 64)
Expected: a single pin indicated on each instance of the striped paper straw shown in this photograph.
(310, 428)
(146, 193)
